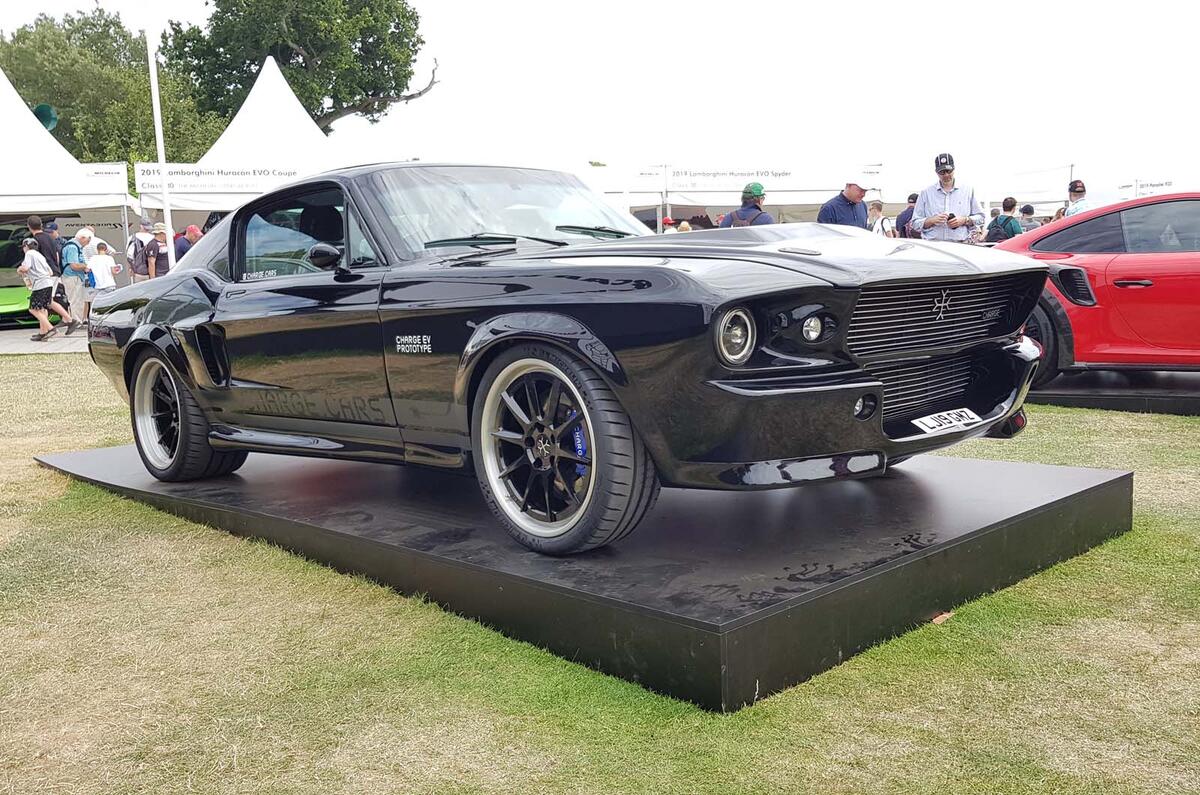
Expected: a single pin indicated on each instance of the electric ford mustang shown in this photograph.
(509, 320)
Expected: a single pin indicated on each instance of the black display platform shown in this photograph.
(719, 598)
(1126, 390)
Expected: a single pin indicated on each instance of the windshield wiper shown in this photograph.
(490, 239)
(594, 231)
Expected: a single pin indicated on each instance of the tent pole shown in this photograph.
(125, 227)
(151, 62)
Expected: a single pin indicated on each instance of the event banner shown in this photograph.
(106, 177)
(191, 178)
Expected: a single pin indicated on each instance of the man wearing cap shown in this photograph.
(1027, 220)
(186, 241)
(1076, 203)
(846, 208)
(668, 225)
(751, 212)
(905, 216)
(157, 263)
(947, 210)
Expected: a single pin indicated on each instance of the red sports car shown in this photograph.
(1124, 287)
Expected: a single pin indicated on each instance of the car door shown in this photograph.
(1155, 285)
(300, 322)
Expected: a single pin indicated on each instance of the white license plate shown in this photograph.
(943, 420)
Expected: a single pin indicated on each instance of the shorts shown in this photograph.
(40, 299)
(92, 292)
(139, 277)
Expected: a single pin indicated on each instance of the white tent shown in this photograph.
(270, 141)
(40, 176)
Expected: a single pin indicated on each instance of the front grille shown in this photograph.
(931, 314)
(916, 388)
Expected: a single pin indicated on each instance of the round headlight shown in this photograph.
(735, 336)
(813, 328)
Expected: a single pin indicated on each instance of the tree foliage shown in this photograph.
(92, 69)
(341, 57)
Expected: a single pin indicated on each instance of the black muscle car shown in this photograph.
(509, 320)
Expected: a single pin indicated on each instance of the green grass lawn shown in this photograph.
(140, 653)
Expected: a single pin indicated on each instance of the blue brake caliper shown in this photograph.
(580, 448)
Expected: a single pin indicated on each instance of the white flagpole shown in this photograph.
(158, 139)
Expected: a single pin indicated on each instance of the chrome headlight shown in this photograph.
(735, 336)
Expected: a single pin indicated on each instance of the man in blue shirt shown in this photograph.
(846, 208)
(751, 212)
(947, 210)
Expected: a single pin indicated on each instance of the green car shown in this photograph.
(14, 295)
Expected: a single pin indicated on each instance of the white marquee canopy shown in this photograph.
(40, 176)
(270, 141)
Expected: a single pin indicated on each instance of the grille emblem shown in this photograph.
(941, 303)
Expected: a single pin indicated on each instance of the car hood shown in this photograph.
(841, 256)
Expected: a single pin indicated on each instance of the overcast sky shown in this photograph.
(1015, 91)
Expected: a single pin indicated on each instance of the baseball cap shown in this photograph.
(667, 221)
(146, 223)
(160, 228)
(1027, 209)
(912, 197)
(1076, 186)
(29, 242)
(50, 227)
(754, 189)
(192, 229)
(943, 162)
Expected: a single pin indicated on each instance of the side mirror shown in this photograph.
(323, 255)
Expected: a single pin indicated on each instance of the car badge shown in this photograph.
(941, 303)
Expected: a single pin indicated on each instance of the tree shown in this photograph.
(92, 69)
(341, 57)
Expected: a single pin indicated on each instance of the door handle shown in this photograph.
(234, 293)
(1133, 283)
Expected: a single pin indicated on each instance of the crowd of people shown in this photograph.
(65, 275)
(946, 210)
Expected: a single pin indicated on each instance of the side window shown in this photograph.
(362, 255)
(280, 238)
(1099, 235)
(1163, 228)
(210, 252)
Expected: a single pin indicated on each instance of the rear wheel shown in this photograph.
(557, 458)
(169, 427)
(1040, 328)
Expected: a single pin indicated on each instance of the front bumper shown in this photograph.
(774, 433)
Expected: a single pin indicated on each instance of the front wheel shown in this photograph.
(169, 427)
(558, 461)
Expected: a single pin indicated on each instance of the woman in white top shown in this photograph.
(41, 281)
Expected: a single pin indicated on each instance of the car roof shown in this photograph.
(1022, 242)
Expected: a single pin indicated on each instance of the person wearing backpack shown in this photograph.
(73, 278)
(135, 255)
(751, 212)
(1006, 224)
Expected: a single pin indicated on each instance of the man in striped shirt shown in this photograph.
(947, 210)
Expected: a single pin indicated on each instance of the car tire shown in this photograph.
(558, 460)
(169, 427)
(1040, 328)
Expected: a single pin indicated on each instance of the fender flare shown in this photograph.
(551, 327)
(1062, 329)
(160, 339)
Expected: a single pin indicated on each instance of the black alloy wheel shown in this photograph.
(557, 458)
(169, 426)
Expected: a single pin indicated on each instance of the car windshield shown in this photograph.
(430, 203)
